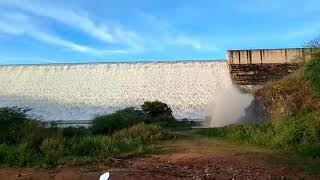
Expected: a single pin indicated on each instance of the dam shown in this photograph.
(81, 91)
(193, 89)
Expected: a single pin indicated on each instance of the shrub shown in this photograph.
(152, 113)
(104, 146)
(52, 148)
(110, 123)
(312, 75)
(145, 132)
(176, 125)
(32, 134)
(75, 131)
(35, 132)
(300, 133)
(12, 121)
(87, 146)
(18, 156)
(312, 150)
(40, 144)
(157, 111)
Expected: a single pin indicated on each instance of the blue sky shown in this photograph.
(76, 31)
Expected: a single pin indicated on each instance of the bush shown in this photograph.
(312, 75)
(105, 146)
(157, 111)
(145, 132)
(12, 120)
(300, 133)
(110, 123)
(18, 156)
(35, 143)
(88, 145)
(75, 131)
(35, 132)
(52, 149)
(152, 113)
(176, 125)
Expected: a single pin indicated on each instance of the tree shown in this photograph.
(12, 120)
(313, 43)
(157, 111)
(109, 123)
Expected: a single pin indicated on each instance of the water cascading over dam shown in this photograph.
(81, 91)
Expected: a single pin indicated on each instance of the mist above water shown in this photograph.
(228, 107)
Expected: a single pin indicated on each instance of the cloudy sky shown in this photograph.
(76, 31)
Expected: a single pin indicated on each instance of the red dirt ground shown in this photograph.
(183, 159)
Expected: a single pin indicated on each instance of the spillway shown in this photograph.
(81, 91)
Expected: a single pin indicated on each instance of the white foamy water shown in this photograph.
(80, 91)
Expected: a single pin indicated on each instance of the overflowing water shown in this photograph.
(81, 91)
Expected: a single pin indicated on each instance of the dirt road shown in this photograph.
(187, 158)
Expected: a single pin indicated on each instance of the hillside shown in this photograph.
(288, 97)
(291, 114)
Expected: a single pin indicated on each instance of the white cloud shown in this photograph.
(167, 34)
(19, 24)
(131, 38)
(79, 21)
(66, 16)
(158, 34)
(184, 40)
(8, 29)
(32, 60)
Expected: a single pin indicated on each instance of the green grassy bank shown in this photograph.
(28, 142)
(296, 130)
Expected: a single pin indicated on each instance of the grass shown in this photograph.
(292, 161)
(311, 73)
(27, 142)
(300, 133)
(195, 143)
(55, 150)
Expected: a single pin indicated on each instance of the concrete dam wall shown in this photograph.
(81, 91)
(268, 56)
(251, 69)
